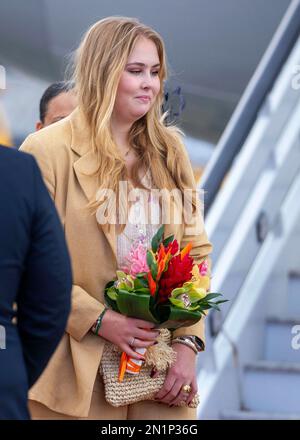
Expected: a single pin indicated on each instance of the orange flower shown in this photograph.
(161, 266)
(186, 250)
(161, 252)
(152, 284)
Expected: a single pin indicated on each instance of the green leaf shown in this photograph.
(192, 308)
(135, 305)
(157, 239)
(136, 284)
(140, 282)
(172, 317)
(212, 295)
(142, 290)
(150, 258)
(152, 264)
(144, 283)
(154, 270)
(205, 307)
(168, 240)
(184, 315)
(141, 275)
(214, 306)
(153, 305)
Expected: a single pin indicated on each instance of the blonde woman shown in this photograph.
(116, 134)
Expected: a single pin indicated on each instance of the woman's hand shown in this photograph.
(128, 333)
(182, 372)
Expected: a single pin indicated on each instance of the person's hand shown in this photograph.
(182, 372)
(127, 333)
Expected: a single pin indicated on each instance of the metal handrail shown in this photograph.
(251, 101)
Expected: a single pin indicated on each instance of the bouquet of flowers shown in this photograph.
(162, 285)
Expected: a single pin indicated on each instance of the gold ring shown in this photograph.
(186, 388)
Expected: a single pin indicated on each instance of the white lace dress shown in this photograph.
(142, 223)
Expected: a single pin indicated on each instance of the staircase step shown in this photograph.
(282, 343)
(272, 387)
(252, 415)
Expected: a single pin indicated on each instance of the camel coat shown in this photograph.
(64, 155)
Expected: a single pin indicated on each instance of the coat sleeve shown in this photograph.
(43, 302)
(195, 233)
(85, 309)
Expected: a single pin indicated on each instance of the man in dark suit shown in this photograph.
(35, 279)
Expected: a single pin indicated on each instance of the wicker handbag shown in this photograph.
(135, 388)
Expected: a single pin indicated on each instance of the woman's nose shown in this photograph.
(147, 80)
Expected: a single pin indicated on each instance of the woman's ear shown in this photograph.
(39, 125)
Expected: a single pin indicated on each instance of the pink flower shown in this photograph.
(136, 261)
(203, 268)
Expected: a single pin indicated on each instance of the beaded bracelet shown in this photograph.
(99, 321)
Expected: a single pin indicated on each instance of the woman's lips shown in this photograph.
(143, 98)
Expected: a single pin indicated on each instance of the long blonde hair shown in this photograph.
(99, 63)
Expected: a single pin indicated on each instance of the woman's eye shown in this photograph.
(136, 72)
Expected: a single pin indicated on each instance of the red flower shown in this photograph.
(173, 247)
(178, 272)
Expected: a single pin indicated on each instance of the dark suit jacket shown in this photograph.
(35, 274)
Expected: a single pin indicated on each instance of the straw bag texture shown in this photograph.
(135, 388)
